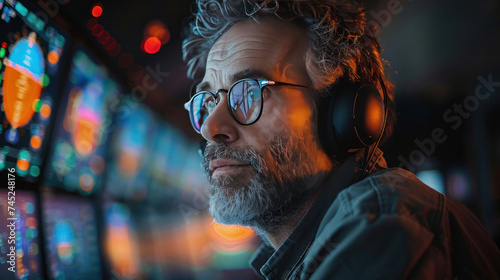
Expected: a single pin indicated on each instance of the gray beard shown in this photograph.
(272, 195)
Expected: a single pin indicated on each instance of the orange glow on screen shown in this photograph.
(122, 250)
(36, 141)
(20, 92)
(84, 137)
(23, 164)
(64, 250)
(45, 111)
(128, 163)
(53, 57)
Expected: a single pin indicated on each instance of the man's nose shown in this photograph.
(220, 125)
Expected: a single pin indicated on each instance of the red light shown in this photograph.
(115, 51)
(157, 29)
(103, 37)
(110, 44)
(97, 29)
(97, 10)
(91, 23)
(4, 45)
(152, 45)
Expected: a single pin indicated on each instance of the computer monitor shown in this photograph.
(19, 236)
(84, 122)
(71, 237)
(131, 151)
(32, 58)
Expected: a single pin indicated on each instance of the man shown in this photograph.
(325, 203)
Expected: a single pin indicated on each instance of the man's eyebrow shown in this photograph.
(247, 73)
(250, 73)
(202, 86)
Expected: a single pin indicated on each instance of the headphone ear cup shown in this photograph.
(354, 118)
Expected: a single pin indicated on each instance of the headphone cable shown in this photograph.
(386, 111)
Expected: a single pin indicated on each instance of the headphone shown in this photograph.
(352, 118)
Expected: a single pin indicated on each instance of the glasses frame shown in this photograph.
(262, 84)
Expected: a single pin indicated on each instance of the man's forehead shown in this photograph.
(228, 46)
(259, 37)
(253, 44)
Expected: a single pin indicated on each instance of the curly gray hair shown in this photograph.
(341, 43)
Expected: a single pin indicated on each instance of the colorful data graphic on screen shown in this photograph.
(83, 127)
(131, 151)
(31, 55)
(121, 246)
(23, 233)
(71, 241)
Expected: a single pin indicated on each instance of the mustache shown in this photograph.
(216, 150)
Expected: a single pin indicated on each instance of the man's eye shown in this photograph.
(254, 94)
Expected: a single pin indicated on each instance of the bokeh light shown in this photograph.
(97, 29)
(35, 171)
(45, 80)
(91, 23)
(157, 29)
(151, 45)
(86, 183)
(36, 142)
(53, 57)
(23, 164)
(97, 10)
(45, 111)
(103, 37)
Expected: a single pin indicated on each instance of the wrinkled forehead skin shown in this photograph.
(275, 47)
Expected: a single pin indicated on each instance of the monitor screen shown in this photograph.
(19, 234)
(83, 125)
(131, 151)
(71, 237)
(32, 54)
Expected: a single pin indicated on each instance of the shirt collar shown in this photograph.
(276, 264)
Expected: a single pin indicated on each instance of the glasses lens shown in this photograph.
(246, 101)
(202, 106)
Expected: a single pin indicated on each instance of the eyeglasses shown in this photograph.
(244, 100)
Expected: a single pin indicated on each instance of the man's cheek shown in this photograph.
(293, 111)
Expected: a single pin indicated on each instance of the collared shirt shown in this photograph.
(389, 225)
